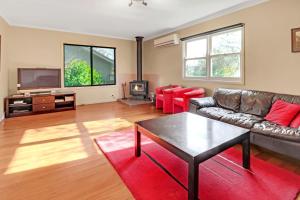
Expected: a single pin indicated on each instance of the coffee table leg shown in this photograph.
(137, 142)
(246, 152)
(193, 181)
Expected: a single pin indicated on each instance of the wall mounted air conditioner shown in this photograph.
(168, 40)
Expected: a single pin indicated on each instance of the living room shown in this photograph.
(104, 132)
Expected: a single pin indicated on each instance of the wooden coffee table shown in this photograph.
(194, 139)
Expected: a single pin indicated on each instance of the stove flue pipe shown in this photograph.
(139, 44)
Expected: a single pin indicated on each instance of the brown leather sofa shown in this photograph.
(247, 109)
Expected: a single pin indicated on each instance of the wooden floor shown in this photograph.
(53, 156)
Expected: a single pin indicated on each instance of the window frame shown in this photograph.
(196, 58)
(209, 56)
(92, 67)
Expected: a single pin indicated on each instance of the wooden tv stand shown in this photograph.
(21, 105)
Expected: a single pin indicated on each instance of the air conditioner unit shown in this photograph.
(168, 40)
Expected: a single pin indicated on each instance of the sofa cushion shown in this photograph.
(241, 119)
(256, 102)
(228, 98)
(214, 112)
(273, 130)
(296, 122)
(283, 113)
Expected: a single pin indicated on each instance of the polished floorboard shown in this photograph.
(53, 156)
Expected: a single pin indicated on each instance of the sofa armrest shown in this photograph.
(203, 102)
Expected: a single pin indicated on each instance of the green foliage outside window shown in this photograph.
(196, 68)
(223, 59)
(78, 73)
(226, 66)
(228, 47)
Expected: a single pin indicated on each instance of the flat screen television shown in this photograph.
(38, 78)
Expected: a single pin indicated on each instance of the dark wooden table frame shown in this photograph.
(194, 162)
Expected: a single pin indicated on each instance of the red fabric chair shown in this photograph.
(160, 96)
(168, 95)
(182, 99)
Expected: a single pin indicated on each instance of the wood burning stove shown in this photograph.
(139, 87)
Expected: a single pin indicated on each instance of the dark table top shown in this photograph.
(191, 133)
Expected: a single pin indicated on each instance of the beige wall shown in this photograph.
(43, 48)
(3, 64)
(269, 63)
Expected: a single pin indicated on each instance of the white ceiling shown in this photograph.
(114, 18)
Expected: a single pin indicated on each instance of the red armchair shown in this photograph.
(160, 95)
(169, 97)
(182, 98)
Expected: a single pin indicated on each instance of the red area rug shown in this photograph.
(220, 177)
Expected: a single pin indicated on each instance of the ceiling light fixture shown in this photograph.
(142, 1)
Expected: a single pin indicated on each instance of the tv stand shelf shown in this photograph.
(21, 105)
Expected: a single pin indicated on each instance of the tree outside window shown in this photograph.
(88, 66)
(217, 56)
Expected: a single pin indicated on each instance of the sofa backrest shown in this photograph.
(287, 97)
(256, 102)
(228, 98)
(250, 101)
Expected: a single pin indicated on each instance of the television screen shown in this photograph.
(29, 78)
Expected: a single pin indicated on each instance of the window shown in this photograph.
(89, 65)
(216, 56)
(195, 62)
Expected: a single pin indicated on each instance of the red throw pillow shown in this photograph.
(296, 122)
(282, 113)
